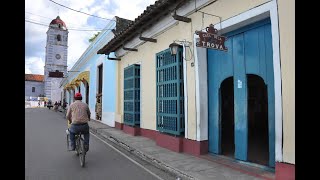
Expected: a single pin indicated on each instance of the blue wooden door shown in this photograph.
(131, 95)
(249, 52)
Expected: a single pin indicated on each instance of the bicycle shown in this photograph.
(80, 150)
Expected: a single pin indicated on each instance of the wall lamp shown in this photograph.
(176, 44)
(174, 48)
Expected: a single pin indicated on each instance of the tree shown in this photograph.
(94, 37)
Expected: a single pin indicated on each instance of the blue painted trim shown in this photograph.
(271, 94)
(240, 99)
(248, 27)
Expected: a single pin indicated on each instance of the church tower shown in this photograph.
(56, 58)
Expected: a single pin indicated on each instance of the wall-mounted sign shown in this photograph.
(56, 74)
(211, 39)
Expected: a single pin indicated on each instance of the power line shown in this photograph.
(36, 21)
(44, 16)
(81, 12)
(44, 24)
(38, 15)
(68, 28)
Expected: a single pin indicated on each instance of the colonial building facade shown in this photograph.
(223, 92)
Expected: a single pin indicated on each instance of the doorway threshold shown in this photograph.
(253, 169)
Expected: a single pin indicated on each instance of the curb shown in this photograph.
(141, 155)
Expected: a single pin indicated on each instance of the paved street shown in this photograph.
(46, 156)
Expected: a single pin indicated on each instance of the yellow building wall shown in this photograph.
(286, 10)
(226, 9)
(147, 51)
(146, 55)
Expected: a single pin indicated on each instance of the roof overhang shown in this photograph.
(150, 16)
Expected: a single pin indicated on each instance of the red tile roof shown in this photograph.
(34, 77)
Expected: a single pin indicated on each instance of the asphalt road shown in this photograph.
(47, 158)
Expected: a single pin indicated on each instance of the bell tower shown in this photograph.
(56, 58)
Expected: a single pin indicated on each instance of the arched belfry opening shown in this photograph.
(59, 36)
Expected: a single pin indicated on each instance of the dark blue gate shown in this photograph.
(131, 95)
(170, 97)
(249, 53)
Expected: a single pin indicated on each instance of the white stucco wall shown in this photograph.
(39, 88)
(55, 90)
(31, 104)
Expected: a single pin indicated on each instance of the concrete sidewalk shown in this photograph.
(182, 165)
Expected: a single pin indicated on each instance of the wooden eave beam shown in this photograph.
(148, 39)
(129, 49)
(181, 18)
(116, 59)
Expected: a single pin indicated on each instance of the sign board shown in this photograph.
(211, 39)
(56, 74)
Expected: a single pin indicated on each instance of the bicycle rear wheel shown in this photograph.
(82, 152)
(68, 142)
(68, 139)
(78, 145)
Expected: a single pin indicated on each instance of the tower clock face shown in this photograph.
(58, 56)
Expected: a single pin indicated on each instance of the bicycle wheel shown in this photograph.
(68, 142)
(77, 145)
(82, 152)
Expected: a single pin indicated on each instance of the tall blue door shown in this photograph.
(249, 53)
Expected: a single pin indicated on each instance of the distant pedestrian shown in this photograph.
(64, 105)
(55, 107)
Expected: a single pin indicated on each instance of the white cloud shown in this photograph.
(35, 38)
(131, 9)
(34, 65)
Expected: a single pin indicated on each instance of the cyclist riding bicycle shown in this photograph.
(78, 115)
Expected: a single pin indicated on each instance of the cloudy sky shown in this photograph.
(39, 14)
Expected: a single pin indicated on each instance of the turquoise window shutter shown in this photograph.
(170, 98)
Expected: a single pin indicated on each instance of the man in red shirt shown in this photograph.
(78, 115)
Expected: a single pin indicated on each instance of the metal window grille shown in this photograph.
(132, 95)
(170, 97)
